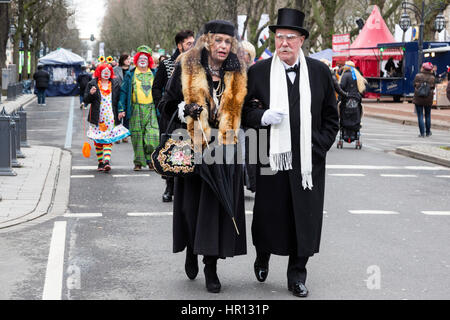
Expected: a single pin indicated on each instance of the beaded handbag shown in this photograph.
(173, 157)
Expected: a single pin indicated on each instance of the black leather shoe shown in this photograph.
(167, 197)
(191, 265)
(212, 280)
(261, 272)
(299, 289)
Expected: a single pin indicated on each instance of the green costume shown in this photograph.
(136, 89)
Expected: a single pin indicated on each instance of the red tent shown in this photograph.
(375, 31)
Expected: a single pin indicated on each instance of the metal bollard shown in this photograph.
(14, 162)
(23, 127)
(15, 116)
(11, 95)
(5, 145)
(18, 89)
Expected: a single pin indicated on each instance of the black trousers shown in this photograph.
(296, 270)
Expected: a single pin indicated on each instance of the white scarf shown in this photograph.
(280, 134)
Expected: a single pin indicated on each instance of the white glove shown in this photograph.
(272, 117)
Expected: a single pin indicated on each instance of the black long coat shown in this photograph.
(287, 220)
(95, 100)
(199, 220)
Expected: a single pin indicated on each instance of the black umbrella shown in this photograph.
(220, 170)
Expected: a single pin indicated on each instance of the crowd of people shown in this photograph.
(213, 83)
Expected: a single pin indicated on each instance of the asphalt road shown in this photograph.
(385, 232)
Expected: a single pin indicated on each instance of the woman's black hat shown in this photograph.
(290, 19)
(220, 26)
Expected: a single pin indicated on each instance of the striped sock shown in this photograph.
(107, 152)
(99, 151)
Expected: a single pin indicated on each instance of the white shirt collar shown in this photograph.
(286, 66)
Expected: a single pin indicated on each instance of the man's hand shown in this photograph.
(271, 117)
(121, 115)
(93, 90)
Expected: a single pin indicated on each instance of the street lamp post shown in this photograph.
(405, 21)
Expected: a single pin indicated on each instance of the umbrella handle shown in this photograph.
(235, 226)
(204, 136)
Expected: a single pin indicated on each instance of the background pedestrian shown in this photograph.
(424, 84)
(82, 80)
(42, 79)
(184, 40)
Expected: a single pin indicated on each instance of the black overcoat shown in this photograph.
(287, 220)
(95, 100)
(199, 220)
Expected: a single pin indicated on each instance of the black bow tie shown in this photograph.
(292, 69)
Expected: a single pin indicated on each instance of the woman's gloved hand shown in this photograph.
(193, 110)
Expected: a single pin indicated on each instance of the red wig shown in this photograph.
(151, 63)
(100, 68)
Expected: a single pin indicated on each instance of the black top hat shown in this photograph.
(290, 19)
(220, 26)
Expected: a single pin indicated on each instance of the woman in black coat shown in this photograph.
(209, 88)
(103, 94)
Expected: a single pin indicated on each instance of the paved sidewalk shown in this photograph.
(41, 185)
(31, 193)
(12, 105)
(403, 113)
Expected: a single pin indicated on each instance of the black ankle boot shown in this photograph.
(191, 264)
(212, 280)
(168, 193)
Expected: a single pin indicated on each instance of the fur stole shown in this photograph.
(196, 90)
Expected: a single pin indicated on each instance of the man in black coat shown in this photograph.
(292, 98)
(184, 41)
(83, 79)
(42, 79)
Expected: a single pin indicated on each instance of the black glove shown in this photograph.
(193, 110)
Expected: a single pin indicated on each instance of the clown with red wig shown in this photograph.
(136, 104)
(103, 93)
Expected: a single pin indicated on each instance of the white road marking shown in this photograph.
(347, 174)
(83, 176)
(83, 215)
(130, 175)
(436, 213)
(95, 167)
(55, 265)
(149, 214)
(399, 175)
(371, 167)
(400, 141)
(161, 214)
(372, 212)
(373, 148)
(442, 176)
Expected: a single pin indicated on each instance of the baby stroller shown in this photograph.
(350, 113)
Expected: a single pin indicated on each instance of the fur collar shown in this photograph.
(196, 89)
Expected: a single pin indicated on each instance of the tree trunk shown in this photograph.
(26, 49)
(18, 35)
(305, 7)
(4, 28)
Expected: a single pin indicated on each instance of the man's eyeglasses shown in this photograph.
(288, 37)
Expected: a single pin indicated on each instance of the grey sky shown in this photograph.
(88, 16)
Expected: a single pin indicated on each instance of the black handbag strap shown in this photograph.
(171, 121)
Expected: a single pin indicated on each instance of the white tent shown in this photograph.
(61, 56)
(64, 66)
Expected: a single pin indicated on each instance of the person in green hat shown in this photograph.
(136, 104)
